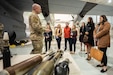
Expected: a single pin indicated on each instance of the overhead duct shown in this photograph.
(88, 6)
(44, 5)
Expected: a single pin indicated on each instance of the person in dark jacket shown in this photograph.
(48, 36)
(73, 39)
(89, 32)
(12, 38)
(82, 32)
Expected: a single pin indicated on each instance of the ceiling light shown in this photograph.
(109, 1)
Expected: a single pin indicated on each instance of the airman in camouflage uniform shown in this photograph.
(36, 29)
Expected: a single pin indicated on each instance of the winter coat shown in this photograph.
(103, 35)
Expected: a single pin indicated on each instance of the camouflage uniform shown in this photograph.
(36, 33)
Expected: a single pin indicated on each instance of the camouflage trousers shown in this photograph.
(37, 43)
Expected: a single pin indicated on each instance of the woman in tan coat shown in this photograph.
(102, 35)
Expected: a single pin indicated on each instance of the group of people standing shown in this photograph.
(90, 35)
(70, 36)
(98, 35)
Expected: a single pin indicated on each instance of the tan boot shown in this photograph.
(88, 58)
(71, 52)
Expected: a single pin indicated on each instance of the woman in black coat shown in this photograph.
(89, 32)
(48, 36)
(82, 32)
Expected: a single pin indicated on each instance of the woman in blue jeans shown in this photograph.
(73, 39)
(58, 35)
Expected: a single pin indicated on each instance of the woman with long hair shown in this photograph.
(58, 35)
(82, 32)
(73, 39)
(102, 35)
(48, 36)
(89, 33)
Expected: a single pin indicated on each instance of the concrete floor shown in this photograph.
(78, 66)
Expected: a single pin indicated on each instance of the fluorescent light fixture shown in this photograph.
(109, 1)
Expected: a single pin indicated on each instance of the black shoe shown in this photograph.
(99, 65)
(103, 70)
(88, 59)
(45, 52)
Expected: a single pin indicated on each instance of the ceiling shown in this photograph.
(76, 6)
(23, 5)
(103, 2)
(65, 6)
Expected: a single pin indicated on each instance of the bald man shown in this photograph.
(36, 29)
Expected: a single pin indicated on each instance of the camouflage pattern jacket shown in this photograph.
(36, 28)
